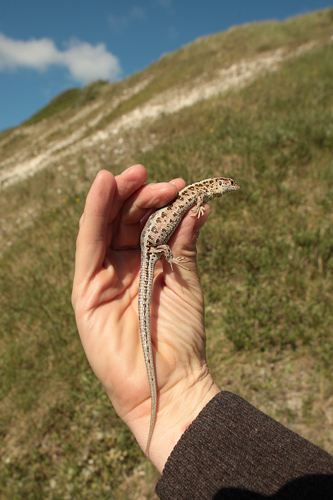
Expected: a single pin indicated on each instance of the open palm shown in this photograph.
(105, 302)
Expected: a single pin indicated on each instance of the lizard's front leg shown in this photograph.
(198, 210)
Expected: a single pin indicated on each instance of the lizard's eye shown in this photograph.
(232, 182)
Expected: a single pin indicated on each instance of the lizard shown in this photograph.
(153, 243)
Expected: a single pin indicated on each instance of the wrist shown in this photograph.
(178, 408)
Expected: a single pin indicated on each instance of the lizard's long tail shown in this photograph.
(144, 300)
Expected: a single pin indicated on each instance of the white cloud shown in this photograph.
(84, 61)
(87, 63)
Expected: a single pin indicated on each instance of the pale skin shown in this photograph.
(104, 298)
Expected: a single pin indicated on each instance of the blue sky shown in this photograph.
(48, 46)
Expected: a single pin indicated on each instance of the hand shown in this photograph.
(104, 298)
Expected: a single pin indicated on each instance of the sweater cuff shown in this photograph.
(232, 445)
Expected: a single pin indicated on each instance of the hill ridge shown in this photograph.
(237, 75)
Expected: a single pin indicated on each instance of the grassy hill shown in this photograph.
(254, 103)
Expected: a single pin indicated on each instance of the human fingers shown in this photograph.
(127, 183)
(138, 207)
(104, 201)
(91, 240)
(150, 196)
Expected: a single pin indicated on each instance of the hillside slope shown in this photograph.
(254, 103)
(95, 122)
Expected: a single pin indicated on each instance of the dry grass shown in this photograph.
(265, 258)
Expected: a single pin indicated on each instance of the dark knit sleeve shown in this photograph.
(234, 451)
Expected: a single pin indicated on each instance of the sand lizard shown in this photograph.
(153, 241)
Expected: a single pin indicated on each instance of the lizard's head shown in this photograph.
(226, 184)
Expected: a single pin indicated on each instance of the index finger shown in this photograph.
(104, 202)
(91, 240)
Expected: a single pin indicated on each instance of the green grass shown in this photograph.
(68, 100)
(265, 259)
(279, 238)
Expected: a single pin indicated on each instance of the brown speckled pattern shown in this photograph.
(154, 237)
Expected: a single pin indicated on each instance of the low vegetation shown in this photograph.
(265, 258)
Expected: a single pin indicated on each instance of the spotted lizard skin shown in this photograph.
(154, 237)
